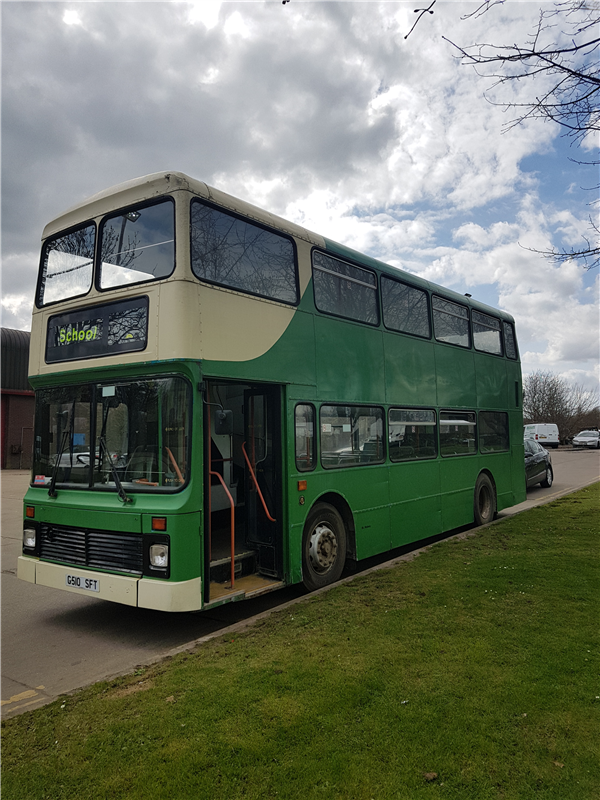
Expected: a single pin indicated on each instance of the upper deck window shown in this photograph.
(67, 265)
(510, 341)
(345, 290)
(137, 245)
(405, 308)
(486, 333)
(239, 254)
(451, 322)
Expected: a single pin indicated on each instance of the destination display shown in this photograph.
(110, 329)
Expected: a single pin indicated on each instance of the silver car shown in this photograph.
(587, 439)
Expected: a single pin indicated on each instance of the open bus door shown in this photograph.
(262, 457)
(243, 549)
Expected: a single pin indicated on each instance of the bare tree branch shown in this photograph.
(562, 52)
(550, 398)
(420, 12)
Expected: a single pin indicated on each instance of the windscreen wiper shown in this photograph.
(122, 493)
(61, 450)
(68, 432)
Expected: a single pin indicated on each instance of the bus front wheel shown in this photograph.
(323, 547)
(484, 501)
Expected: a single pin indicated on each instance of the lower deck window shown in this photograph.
(133, 433)
(305, 437)
(493, 431)
(412, 434)
(458, 433)
(351, 435)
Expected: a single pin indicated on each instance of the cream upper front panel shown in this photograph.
(186, 316)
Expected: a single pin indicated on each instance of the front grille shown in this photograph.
(82, 547)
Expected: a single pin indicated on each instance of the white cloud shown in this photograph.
(16, 311)
(237, 25)
(204, 11)
(71, 17)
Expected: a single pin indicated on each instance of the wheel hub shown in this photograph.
(323, 548)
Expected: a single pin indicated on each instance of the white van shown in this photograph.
(546, 435)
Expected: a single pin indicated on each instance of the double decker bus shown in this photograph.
(227, 403)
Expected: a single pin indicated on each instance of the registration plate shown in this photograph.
(80, 582)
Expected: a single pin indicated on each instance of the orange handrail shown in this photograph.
(175, 465)
(232, 504)
(262, 499)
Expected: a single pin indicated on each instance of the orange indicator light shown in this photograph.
(159, 523)
(302, 486)
(30, 511)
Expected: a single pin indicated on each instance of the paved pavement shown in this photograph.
(54, 642)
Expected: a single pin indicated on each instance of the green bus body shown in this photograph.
(303, 379)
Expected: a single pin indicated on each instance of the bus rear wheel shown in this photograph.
(484, 501)
(323, 547)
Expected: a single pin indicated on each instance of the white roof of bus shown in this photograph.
(157, 184)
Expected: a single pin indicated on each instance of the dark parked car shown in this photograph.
(538, 464)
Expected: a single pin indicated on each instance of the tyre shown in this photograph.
(547, 482)
(484, 505)
(323, 547)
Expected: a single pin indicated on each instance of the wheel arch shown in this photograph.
(490, 474)
(341, 506)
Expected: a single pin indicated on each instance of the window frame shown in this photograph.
(358, 463)
(485, 451)
(467, 319)
(511, 326)
(489, 327)
(121, 213)
(413, 288)
(414, 458)
(313, 454)
(257, 224)
(42, 273)
(374, 288)
(94, 388)
(456, 412)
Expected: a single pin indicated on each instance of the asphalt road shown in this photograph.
(54, 642)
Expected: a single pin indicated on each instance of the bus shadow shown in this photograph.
(361, 567)
(157, 632)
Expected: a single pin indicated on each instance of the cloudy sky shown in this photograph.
(321, 112)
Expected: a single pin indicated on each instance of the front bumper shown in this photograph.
(141, 592)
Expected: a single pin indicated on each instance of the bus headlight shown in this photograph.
(29, 538)
(159, 556)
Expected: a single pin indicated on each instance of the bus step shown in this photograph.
(244, 564)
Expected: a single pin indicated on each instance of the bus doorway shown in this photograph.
(243, 529)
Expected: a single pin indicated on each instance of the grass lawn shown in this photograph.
(469, 672)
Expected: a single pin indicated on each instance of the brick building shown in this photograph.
(16, 432)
